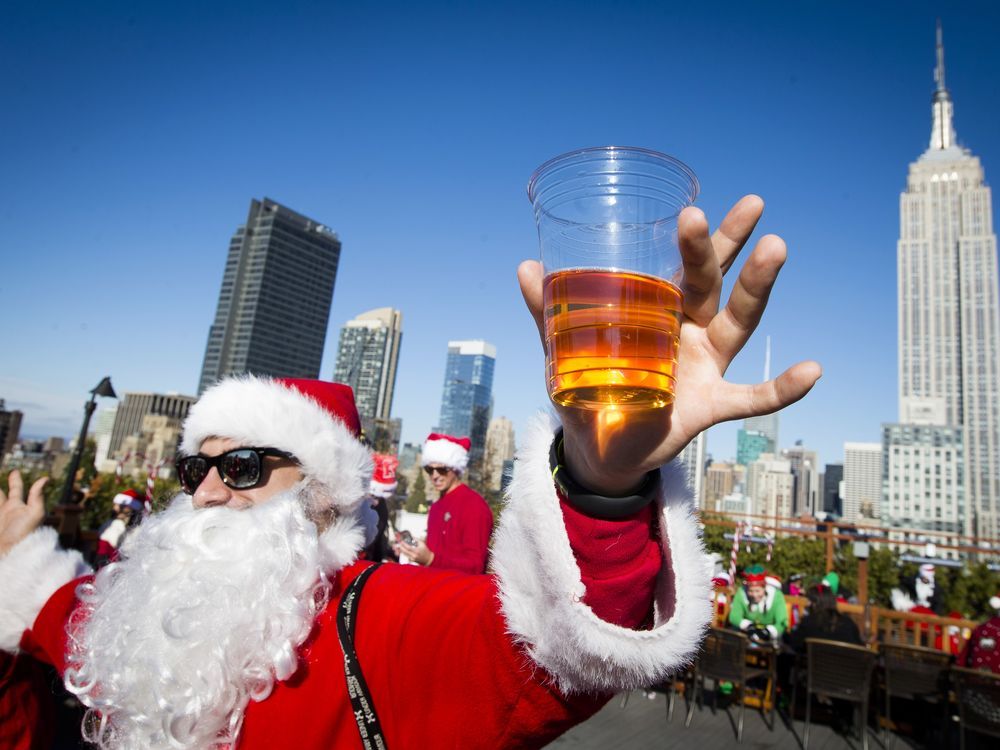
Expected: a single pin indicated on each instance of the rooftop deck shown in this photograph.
(643, 725)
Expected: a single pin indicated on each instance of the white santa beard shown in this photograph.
(205, 611)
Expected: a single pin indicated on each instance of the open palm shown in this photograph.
(17, 517)
(609, 451)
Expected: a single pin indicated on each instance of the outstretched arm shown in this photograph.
(32, 565)
(609, 454)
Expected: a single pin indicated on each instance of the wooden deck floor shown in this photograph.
(643, 725)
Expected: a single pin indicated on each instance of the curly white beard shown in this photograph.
(203, 613)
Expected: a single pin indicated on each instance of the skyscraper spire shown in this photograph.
(942, 129)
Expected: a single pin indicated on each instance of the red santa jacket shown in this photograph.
(508, 660)
(458, 531)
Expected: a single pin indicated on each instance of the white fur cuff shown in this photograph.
(29, 574)
(541, 591)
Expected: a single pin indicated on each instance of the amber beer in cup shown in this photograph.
(607, 228)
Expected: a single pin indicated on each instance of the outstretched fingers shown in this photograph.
(702, 278)
(36, 497)
(735, 229)
(742, 401)
(732, 327)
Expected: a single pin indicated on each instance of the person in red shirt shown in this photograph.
(460, 522)
(982, 650)
(233, 617)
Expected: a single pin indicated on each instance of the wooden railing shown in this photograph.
(881, 625)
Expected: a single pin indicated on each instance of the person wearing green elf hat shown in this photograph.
(831, 581)
(759, 610)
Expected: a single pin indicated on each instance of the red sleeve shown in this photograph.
(46, 641)
(619, 562)
(27, 705)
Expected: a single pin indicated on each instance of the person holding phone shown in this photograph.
(460, 522)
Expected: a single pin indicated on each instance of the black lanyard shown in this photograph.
(361, 699)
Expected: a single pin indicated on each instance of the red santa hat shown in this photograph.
(129, 498)
(721, 580)
(446, 450)
(772, 580)
(383, 482)
(314, 420)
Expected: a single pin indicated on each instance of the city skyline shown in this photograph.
(130, 196)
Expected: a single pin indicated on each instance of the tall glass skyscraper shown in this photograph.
(467, 399)
(367, 358)
(274, 304)
(949, 317)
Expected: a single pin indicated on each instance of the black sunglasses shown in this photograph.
(239, 468)
(442, 470)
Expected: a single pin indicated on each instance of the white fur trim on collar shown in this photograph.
(541, 590)
(29, 574)
(261, 412)
(446, 453)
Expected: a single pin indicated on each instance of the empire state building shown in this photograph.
(949, 327)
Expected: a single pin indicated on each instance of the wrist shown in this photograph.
(597, 504)
(599, 478)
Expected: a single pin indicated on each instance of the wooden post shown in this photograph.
(829, 547)
(863, 582)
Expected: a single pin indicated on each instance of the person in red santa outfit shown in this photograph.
(382, 488)
(240, 616)
(460, 522)
(982, 650)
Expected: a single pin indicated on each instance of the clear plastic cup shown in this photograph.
(607, 229)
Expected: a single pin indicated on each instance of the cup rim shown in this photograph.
(659, 155)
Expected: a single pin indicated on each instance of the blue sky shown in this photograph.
(133, 136)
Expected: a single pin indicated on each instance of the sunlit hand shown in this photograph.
(17, 517)
(419, 552)
(609, 452)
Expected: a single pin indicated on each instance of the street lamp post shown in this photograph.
(102, 389)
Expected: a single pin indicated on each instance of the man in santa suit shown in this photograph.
(231, 617)
(460, 522)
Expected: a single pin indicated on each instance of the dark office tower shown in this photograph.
(10, 428)
(467, 398)
(274, 304)
(832, 478)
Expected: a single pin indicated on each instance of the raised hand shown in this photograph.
(608, 450)
(17, 517)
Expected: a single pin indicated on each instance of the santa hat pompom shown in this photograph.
(995, 602)
(446, 450)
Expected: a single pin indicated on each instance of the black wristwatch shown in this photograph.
(599, 506)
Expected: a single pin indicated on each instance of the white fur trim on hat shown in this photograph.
(541, 592)
(382, 489)
(446, 453)
(29, 574)
(261, 412)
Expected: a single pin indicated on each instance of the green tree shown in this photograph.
(418, 494)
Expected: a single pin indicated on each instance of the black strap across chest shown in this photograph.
(361, 699)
